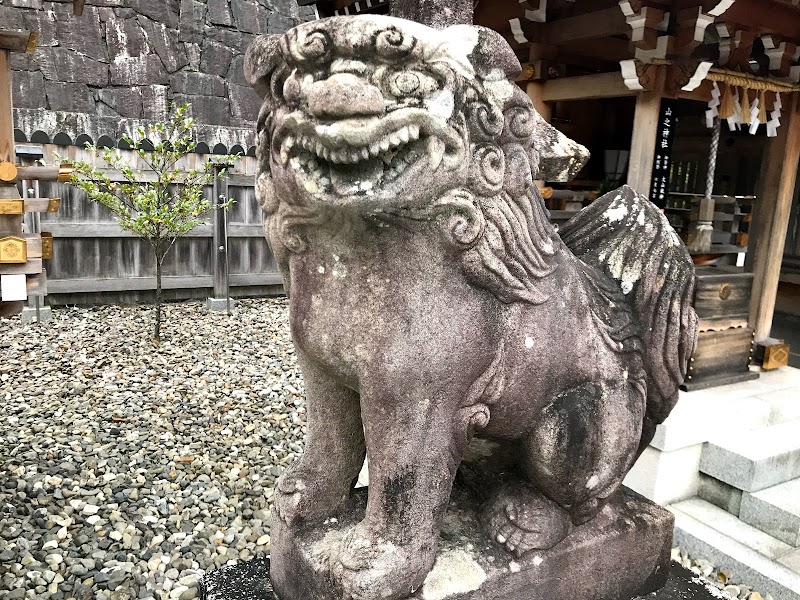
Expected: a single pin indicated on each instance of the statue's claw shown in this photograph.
(300, 495)
(372, 569)
(521, 519)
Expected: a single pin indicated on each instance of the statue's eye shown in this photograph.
(412, 83)
(291, 89)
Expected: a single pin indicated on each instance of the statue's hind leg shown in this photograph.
(576, 456)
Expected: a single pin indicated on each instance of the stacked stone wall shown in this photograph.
(125, 60)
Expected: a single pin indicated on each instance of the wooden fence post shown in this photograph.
(221, 299)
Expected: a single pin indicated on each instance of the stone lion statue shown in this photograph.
(432, 300)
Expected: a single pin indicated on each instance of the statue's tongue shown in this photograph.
(349, 179)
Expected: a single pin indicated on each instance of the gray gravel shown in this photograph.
(717, 577)
(128, 468)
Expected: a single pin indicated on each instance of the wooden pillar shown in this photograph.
(643, 141)
(535, 91)
(9, 224)
(6, 126)
(774, 205)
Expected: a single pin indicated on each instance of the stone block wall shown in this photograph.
(125, 60)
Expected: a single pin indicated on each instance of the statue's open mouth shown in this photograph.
(355, 156)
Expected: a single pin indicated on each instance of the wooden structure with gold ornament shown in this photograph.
(21, 254)
(643, 52)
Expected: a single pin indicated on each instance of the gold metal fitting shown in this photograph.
(64, 173)
(8, 171)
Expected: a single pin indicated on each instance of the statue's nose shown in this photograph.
(345, 95)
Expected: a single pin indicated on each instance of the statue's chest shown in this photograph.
(347, 304)
(352, 310)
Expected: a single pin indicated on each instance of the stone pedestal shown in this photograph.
(250, 581)
(28, 314)
(622, 553)
(219, 304)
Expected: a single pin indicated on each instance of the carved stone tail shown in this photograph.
(626, 237)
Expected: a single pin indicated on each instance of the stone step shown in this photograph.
(775, 510)
(783, 405)
(755, 460)
(708, 532)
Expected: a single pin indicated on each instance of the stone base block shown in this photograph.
(219, 304)
(720, 494)
(666, 477)
(28, 314)
(250, 581)
(776, 511)
(622, 553)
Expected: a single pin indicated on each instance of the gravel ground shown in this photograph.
(130, 468)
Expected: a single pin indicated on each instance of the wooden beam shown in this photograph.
(761, 17)
(18, 41)
(643, 142)
(599, 24)
(773, 207)
(585, 87)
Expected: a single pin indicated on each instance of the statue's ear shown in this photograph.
(492, 54)
(560, 158)
(263, 56)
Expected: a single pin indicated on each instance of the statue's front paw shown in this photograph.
(370, 568)
(300, 495)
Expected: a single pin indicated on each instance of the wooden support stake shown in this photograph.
(771, 219)
(220, 225)
(645, 129)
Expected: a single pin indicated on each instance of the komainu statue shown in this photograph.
(432, 301)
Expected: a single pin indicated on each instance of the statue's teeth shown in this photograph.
(375, 149)
(436, 149)
(284, 154)
(394, 139)
(404, 135)
(364, 152)
(355, 156)
(289, 141)
(318, 149)
(414, 131)
(385, 143)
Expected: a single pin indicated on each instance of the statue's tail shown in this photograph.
(626, 237)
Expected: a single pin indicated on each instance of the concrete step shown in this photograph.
(753, 557)
(755, 460)
(775, 510)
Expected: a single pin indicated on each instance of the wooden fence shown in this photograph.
(94, 260)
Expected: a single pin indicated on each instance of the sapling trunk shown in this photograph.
(157, 331)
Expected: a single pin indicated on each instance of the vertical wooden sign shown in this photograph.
(662, 160)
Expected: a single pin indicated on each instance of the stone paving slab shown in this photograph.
(775, 510)
(746, 564)
(688, 424)
(784, 405)
(754, 460)
(791, 560)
